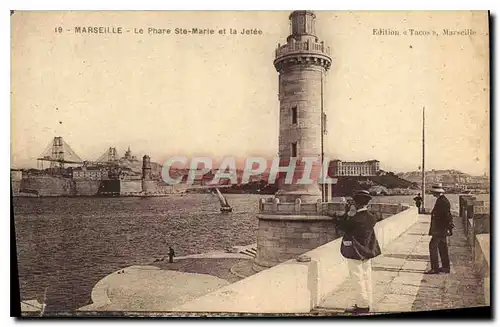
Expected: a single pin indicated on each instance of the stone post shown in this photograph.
(479, 221)
(261, 204)
(298, 203)
(469, 211)
(460, 206)
(319, 207)
(481, 218)
(276, 202)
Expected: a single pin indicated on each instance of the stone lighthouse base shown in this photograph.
(149, 187)
(282, 237)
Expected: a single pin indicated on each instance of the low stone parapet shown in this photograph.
(482, 262)
(274, 206)
(476, 216)
(289, 229)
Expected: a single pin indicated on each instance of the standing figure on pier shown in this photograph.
(418, 202)
(171, 254)
(441, 227)
(359, 246)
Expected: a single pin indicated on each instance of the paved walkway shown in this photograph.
(399, 284)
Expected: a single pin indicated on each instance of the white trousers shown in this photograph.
(361, 275)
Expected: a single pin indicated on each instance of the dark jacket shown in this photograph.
(418, 200)
(441, 218)
(359, 241)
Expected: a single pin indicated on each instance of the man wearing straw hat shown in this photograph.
(441, 227)
(359, 245)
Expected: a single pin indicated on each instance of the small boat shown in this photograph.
(224, 205)
(226, 209)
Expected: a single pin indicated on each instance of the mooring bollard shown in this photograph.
(261, 204)
(276, 202)
(298, 203)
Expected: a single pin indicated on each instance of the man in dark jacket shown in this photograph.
(441, 227)
(359, 245)
(171, 254)
(418, 202)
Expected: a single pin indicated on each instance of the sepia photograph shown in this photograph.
(250, 163)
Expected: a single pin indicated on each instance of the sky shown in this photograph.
(216, 95)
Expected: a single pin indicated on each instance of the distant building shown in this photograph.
(350, 168)
(128, 155)
(90, 173)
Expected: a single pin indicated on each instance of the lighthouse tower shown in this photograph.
(296, 220)
(301, 63)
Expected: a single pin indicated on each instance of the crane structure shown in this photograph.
(58, 153)
(108, 157)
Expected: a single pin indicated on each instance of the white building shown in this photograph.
(352, 168)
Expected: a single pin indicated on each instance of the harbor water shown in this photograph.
(66, 245)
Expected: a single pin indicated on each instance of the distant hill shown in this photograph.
(448, 177)
(389, 181)
(393, 181)
(135, 167)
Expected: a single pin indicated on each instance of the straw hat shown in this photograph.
(362, 193)
(437, 188)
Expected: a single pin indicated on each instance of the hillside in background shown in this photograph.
(443, 176)
(385, 184)
(135, 167)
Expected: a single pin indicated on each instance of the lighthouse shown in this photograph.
(301, 63)
(295, 220)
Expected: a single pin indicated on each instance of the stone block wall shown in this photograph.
(290, 229)
(482, 262)
(48, 185)
(149, 186)
(476, 216)
(130, 186)
(279, 240)
(16, 186)
(86, 187)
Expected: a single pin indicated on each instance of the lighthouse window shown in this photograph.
(294, 149)
(294, 115)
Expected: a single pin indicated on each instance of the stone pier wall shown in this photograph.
(16, 187)
(149, 186)
(48, 185)
(86, 187)
(287, 230)
(476, 218)
(130, 186)
(294, 286)
(279, 240)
